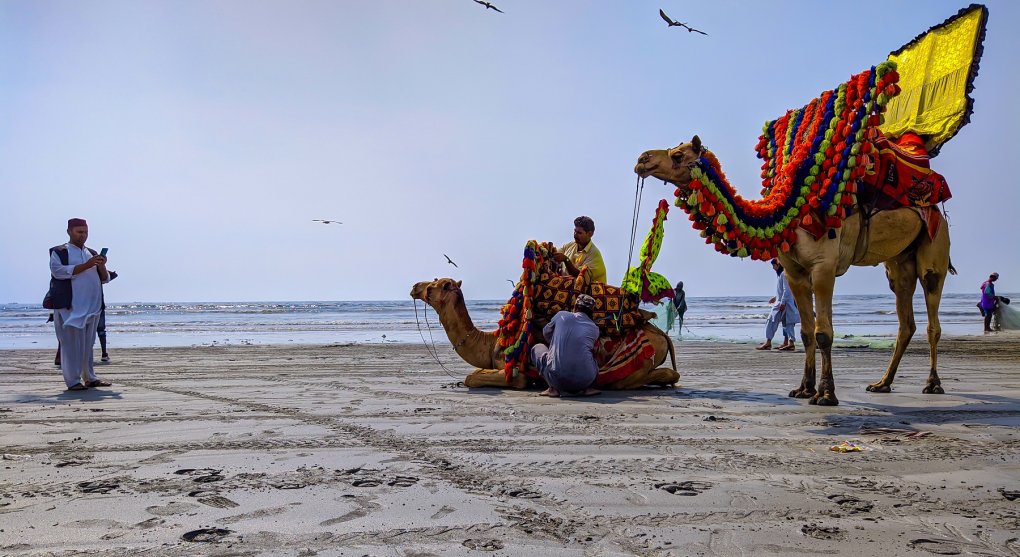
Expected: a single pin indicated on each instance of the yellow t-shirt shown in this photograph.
(590, 256)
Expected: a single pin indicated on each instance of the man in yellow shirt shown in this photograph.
(582, 252)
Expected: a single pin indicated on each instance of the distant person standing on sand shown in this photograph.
(568, 363)
(784, 312)
(76, 297)
(680, 305)
(989, 302)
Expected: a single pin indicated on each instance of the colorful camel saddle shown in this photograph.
(541, 292)
(620, 356)
(615, 311)
(901, 174)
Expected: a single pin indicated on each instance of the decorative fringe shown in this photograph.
(651, 287)
(813, 159)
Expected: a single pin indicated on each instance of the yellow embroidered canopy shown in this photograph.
(937, 71)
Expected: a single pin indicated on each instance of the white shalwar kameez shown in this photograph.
(76, 326)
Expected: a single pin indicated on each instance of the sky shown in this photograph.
(199, 138)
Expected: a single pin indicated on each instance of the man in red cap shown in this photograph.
(76, 293)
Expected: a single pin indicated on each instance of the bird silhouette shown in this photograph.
(488, 6)
(327, 221)
(450, 261)
(675, 23)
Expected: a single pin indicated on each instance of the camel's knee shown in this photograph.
(910, 327)
(807, 337)
(824, 340)
(931, 281)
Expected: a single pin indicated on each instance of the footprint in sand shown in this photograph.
(523, 493)
(170, 508)
(938, 547)
(823, 532)
(851, 504)
(98, 486)
(206, 535)
(686, 489)
(483, 545)
(402, 481)
(217, 501)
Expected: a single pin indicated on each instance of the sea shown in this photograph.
(866, 320)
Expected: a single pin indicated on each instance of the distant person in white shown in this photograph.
(76, 317)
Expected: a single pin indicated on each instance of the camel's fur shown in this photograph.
(895, 237)
(479, 348)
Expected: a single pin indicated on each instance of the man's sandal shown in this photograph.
(77, 387)
(98, 383)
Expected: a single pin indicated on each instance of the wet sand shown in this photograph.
(375, 450)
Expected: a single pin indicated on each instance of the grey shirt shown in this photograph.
(571, 337)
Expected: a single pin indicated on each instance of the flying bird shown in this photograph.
(488, 6)
(450, 261)
(327, 221)
(675, 23)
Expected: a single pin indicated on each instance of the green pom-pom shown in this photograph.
(846, 175)
(832, 210)
(800, 202)
(855, 149)
(815, 170)
(805, 191)
(742, 252)
(696, 173)
(722, 220)
(809, 180)
(678, 202)
(792, 212)
(851, 162)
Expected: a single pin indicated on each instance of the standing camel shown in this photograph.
(895, 237)
(479, 348)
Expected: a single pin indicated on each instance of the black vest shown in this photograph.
(59, 296)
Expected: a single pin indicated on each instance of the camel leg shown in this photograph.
(932, 267)
(496, 379)
(902, 275)
(800, 285)
(823, 281)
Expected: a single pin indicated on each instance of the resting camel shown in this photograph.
(895, 237)
(479, 348)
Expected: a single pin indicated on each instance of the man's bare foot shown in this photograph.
(765, 346)
(549, 392)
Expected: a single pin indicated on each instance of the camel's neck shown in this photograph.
(474, 346)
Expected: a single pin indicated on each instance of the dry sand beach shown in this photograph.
(375, 450)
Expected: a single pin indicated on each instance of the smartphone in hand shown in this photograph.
(103, 251)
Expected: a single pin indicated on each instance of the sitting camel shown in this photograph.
(896, 237)
(479, 348)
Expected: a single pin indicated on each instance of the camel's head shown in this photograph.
(437, 293)
(671, 165)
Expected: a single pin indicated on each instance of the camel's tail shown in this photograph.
(672, 356)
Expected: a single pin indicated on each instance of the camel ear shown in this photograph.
(696, 143)
(459, 282)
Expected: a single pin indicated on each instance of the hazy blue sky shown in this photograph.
(201, 137)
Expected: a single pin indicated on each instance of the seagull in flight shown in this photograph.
(327, 221)
(675, 23)
(450, 261)
(488, 5)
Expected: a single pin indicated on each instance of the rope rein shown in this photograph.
(433, 351)
(639, 189)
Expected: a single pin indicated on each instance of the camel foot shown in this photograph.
(802, 393)
(933, 390)
(825, 400)
(878, 388)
